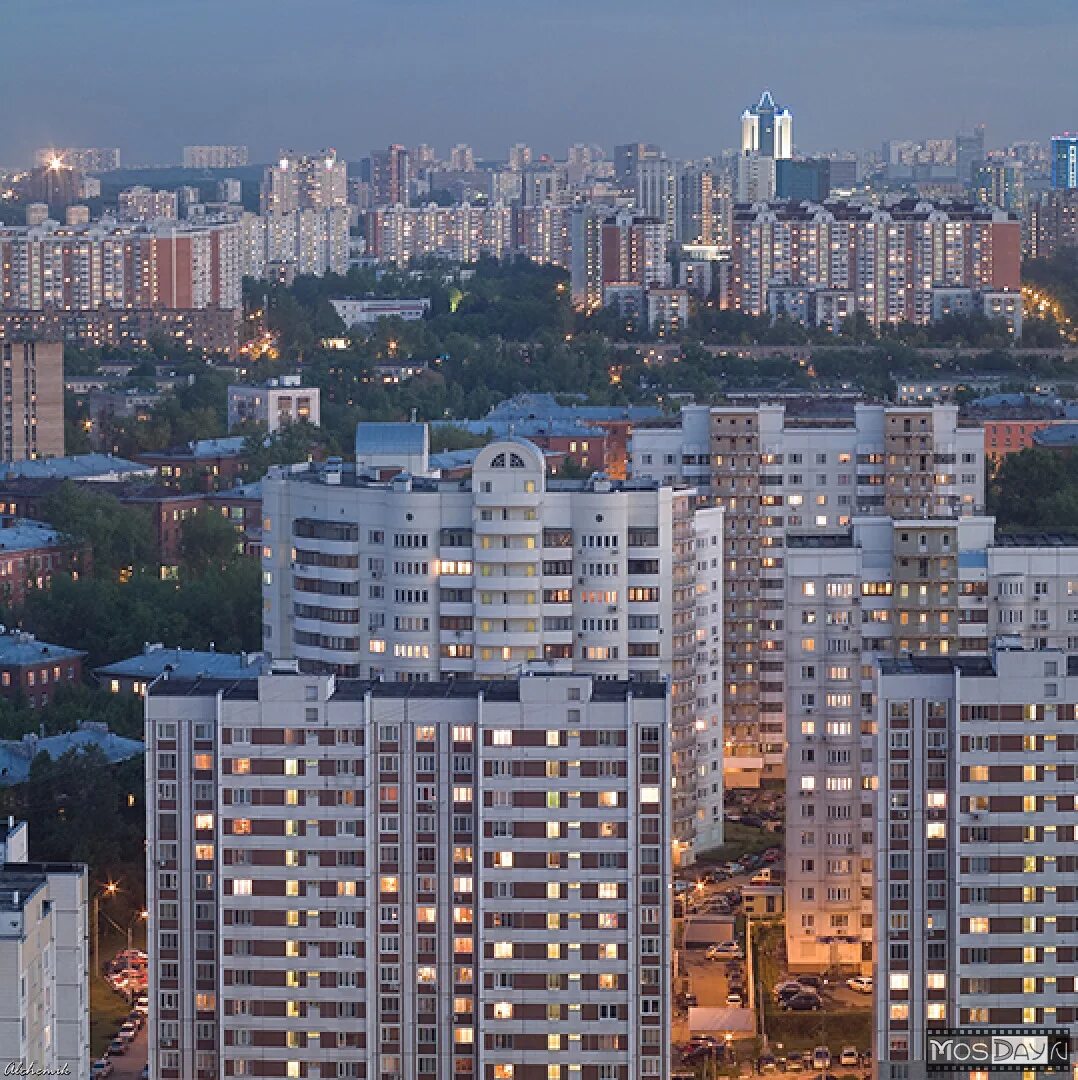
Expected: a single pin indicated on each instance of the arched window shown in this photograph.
(516, 462)
(498, 462)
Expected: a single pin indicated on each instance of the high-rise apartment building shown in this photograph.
(629, 156)
(418, 578)
(777, 474)
(1000, 183)
(278, 246)
(887, 263)
(461, 233)
(462, 158)
(32, 409)
(45, 1013)
(658, 182)
(1064, 162)
(1053, 222)
(409, 880)
(319, 182)
(520, 154)
(214, 157)
(612, 250)
(143, 204)
(767, 129)
(975, 830)
(698, 222)
(391, 178)
(84, 159)
(105, 266)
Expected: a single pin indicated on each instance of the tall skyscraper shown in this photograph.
(419, 880)
(999, 183)
(520, 154)
(484, 578)
(1064, 162)
(767, 129)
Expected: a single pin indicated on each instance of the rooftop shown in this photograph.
(936, 665)
(1057, 435)
(547, 407)
(20, 649)
(73, 467)
(156, 660)
(357, 689)
(25, 535)
(16, 755)
(390, 438)
(1036, 539)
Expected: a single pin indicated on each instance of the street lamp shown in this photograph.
(111, 888)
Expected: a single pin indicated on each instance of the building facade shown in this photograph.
(414, 881)
(485, 576)
(975, 825)
(275, 404)
(32, 409)
(214, 157)
(891, 261)
(45, 1006)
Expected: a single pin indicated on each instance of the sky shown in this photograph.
(152, 75)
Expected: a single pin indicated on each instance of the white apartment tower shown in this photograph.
(409, 881)
(414, 578)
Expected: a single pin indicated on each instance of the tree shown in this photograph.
(207, 540)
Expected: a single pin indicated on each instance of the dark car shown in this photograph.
(815, 982)
(706, 1052)
(803, 1002)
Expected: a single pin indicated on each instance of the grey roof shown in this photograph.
(546, 407)
(25, 535)
(155, 660)
(18, 649)
(453, 459)
(524, 426)
(16, 755)
(390, 438)
(239, 491)
(74, 467)
(227, 447)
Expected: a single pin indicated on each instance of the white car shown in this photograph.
(821, 1058)
(849, 1056)
(726, 950)
(861, 983)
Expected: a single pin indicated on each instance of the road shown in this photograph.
(129, 1066)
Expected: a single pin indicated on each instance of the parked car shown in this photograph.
(101, 1068)
(861, 983)
(703, 1053)
(795, 1065)
(766, 1064)
(806, 1001)
(734, 998)
(788, 989)
(849, 1056)
(117, 1047)
(813, 982)
(821, 1058)
(724, 950)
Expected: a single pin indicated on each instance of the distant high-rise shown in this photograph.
(1064, 162)
(657, 192)
(390, 176)
(998, 183)
(520, 154)
(90, 159)
(141, 203)
(305, 183)
(806, 180)
(968, 153)
(214, 157)
(767, 129)
(462, 158)
(32, 417)
(629, 156)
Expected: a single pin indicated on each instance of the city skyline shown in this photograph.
(810, 61)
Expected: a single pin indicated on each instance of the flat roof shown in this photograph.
(73, 467)
(20, 649)
(357, 689)
(156, 660)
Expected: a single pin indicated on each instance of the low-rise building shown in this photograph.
(30, 553)
(32, 670)
(202, 465)
(136, 674)
(274, 404)
(366, 312)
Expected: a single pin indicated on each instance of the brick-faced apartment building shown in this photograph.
(409, 881)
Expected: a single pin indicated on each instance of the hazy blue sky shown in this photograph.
(151, 75)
